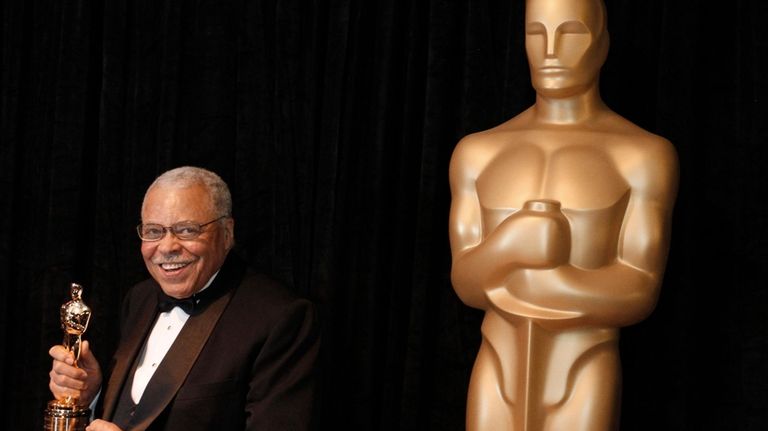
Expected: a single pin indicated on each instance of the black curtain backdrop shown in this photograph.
(333, 122)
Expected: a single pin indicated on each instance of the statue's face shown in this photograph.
(566, 45)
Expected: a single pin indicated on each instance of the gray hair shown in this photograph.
(187, 176)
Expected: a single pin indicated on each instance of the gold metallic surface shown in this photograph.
(75, 316)
(559, 229)
(61, 416)
(66, 414)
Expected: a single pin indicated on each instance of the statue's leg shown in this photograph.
(593, 399)
(486, 407)
(72, 343)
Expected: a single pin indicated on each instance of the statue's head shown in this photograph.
(567, 44)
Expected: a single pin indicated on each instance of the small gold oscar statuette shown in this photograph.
(66, 414)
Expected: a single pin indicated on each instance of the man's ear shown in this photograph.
(229, 232)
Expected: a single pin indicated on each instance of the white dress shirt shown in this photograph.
(164, 333)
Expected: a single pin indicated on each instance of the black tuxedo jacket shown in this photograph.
(243, 361)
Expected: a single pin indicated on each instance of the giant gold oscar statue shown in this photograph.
(559, 229)
(67, 414)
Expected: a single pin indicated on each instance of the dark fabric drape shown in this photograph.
(333, 122)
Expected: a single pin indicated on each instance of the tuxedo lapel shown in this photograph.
(129, 349)
(175, 367)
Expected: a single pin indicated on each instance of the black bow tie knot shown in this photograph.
(166, 303)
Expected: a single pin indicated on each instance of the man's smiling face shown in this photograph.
(183, 267)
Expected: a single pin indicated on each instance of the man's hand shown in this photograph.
(100, 425)
(81, 382)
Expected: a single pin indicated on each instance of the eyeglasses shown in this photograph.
(184, 230)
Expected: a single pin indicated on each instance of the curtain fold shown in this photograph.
(333, 121)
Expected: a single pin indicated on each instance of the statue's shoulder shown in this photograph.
(504, 134)
(474, 151)
(636, 139)
(647, 159)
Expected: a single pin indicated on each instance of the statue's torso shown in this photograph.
(587, 173)
(571, 168)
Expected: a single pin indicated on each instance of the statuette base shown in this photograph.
(61, 416)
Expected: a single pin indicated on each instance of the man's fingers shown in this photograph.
(85, 349)
(76, 381)
(67, 380)
(60, 353)
(63, 369)
(101, 425)
(60, 391)
(87, 360)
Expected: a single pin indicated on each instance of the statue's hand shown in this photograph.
(535, 236)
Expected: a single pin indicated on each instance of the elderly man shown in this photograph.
(206, 343)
